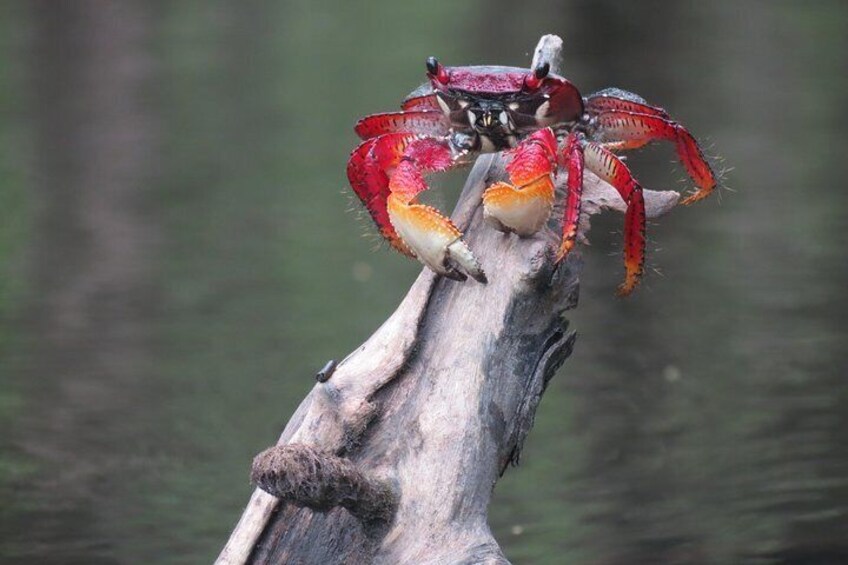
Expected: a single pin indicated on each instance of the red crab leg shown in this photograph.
(598, 103)
(524, 204)
(573, 157)
(370, 181)
(632, 129)
(611, 169)
(426, 102)
(425, 122)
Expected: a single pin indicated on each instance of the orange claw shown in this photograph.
(522, 210)
(524, 205)
(433, 238)
(420, 230)
(372, 172)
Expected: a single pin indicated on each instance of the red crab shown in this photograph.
(544, 123)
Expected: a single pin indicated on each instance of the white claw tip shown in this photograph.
(459, 253)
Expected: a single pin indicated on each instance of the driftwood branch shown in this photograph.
(393, 455)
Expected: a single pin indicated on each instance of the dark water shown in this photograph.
(177, 258)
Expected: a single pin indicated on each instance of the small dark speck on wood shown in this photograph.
(393, 460)
(326, 372)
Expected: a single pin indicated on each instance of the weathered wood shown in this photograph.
(394, 457)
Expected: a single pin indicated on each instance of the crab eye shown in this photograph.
(436, 70)
(534, 80)
(432, 66)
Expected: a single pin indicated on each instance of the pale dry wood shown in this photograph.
(432, 408)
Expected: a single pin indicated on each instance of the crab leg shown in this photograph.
(611, 169)
(426, 122)
(524, 204)
(368, 177)
(573, 158)
(601, 102)
(626, 124)
(615, 99)
(425, 102)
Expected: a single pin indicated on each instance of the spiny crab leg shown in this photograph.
(627, 130)
(611, 169)
(614, 99)
(367, 171)
(426, 122)
(425, 102)
(574, 161)
(524, 204)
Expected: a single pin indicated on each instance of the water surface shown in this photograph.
(178, 255)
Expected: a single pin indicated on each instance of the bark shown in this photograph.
(393, 456)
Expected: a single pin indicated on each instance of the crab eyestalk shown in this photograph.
(534, 79)
(436, 71)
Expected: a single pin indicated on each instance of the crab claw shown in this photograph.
(433, 239)
(525, 205)
(523, 211)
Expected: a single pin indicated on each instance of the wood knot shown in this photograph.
(313, 478)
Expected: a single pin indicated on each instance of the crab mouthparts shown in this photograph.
(486, 120)
(489, 118)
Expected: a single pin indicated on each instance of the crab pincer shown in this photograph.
(523, 206)
(433, 238)
(387, 171)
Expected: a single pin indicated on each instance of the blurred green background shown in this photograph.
(179, 254)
